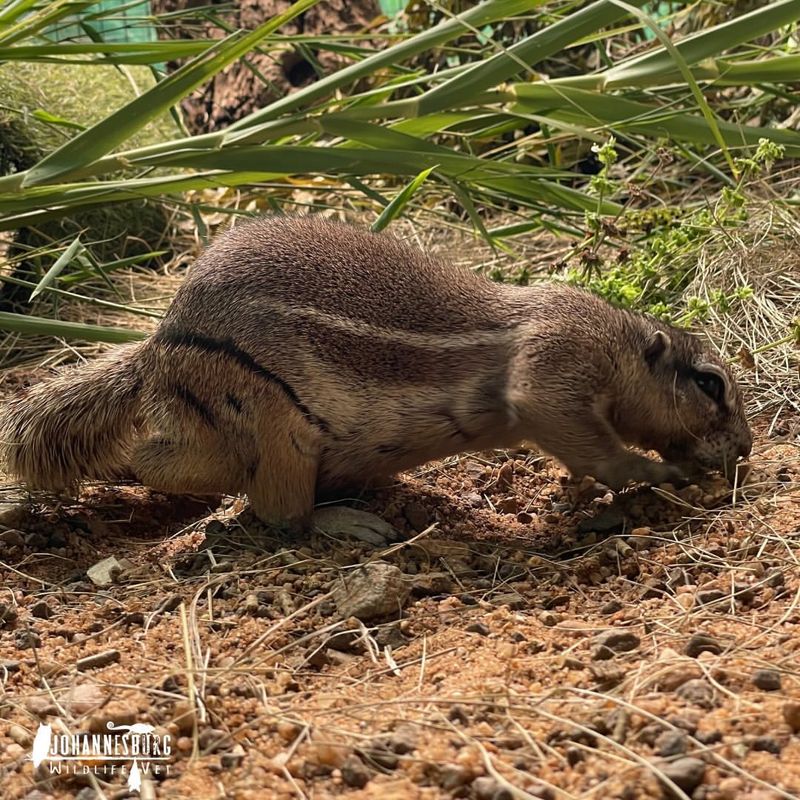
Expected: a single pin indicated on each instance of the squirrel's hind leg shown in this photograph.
(280, 481)
(179, 466)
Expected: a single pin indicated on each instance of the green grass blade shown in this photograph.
(30, 24)
(686, 74)
(477, 17)
(95, 301)
(62, 261)
(15, 10)
(103, 137)
(114, 52)
(642, 70)
(400, 201)
(545, 42)
(593, 109)
(22, 323)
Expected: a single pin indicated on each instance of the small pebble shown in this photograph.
(85, 697)
(671, 743)
(478, 627)
(766, 744)
(620, 641)
(354, 773)
(702, 643)
(40, 706)
(97, 660)
(698, 692)
(183, 715)
(454, 776)
(232, 759)
(602, 653)
(12, 538)
(376, 589)
(212, 739)
(26, 639)
(729, 788)
(251, 604)
(686, 773)
(486, 788)
(417, 516)
(505, 477)
(709, 737)
(14, 751)
(708, 596)
(767, 679)
(513, 600)
(379, 755)
(169, 604)
(41, 610)
(791, 715)
(611, 607)
(20, 735)
(403, 740)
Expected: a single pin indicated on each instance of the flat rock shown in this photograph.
(376, 589)
(361, 525)
(108, 571)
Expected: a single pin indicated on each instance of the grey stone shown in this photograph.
(698, 692)
(620, 641)
(686, 773)
(767, 679)
(376, 589)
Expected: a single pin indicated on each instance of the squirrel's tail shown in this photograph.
(80, 424)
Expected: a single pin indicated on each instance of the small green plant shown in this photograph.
(653, 268)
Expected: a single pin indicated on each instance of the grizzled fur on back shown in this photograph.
(302, 355)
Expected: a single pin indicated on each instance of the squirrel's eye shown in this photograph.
(711, 384)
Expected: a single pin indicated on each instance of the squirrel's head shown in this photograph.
(695, 412)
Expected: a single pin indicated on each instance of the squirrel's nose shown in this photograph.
(745, 446)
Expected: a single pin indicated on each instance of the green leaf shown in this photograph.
(399, 202)
(103, 137)
(74, 249)
(23, 323)
(476, 17)
(52, 119)
(531, 50)
(659, 66)
(578, 106)
(686, 74)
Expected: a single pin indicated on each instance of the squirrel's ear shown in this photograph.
(658, 346)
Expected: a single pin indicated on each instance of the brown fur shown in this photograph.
(302, 355)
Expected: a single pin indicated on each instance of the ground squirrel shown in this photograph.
(302, 355)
